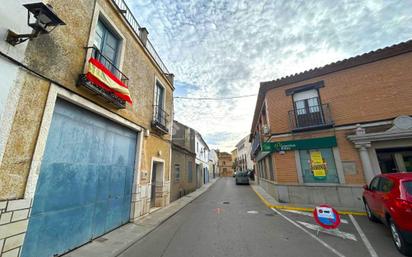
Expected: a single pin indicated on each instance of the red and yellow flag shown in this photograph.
(104, 78)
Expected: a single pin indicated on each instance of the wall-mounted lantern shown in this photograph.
(41, 18)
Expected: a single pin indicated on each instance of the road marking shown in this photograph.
(252, 212)
(310, 234)
(333, 232)
(217, 210)
(310, 214)
(363, 236)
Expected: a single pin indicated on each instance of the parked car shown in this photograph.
(242, 178)
(388, 199)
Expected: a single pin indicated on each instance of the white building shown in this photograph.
(213, 164)
(202, 160)
(244, 162)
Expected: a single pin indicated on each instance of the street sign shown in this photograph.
(326, 217)
(301, 144)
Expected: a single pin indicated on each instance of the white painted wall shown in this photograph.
(14, 17)
(202, 154)
(244, 147)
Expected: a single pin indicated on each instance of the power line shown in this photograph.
(213, 98)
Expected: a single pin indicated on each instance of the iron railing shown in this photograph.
(160, 118)
(96, 54)
(310, 117)
(128, 15)
(255, 145)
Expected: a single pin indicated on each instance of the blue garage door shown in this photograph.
(85, 182)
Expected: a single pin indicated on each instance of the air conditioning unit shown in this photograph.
(266, 130)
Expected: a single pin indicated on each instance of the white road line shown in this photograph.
(309, 214)
(363, 236)
(310, 234)
(333, 232)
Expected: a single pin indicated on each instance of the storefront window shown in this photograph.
(318, 166)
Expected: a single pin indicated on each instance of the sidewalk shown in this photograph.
(271, 202)
(117, 241)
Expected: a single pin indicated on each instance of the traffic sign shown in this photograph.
(326, 216)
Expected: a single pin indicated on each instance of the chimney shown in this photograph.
(143, 35)
(170, 77)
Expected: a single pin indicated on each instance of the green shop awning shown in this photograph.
(302, 144)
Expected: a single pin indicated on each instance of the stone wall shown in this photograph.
(14, 216)
(343, 196)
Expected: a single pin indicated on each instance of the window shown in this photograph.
(271, 169)
(107, 43)
(318, 166)
(190, 171)
(308, 111)
(224, 163)
(177, 172)
(408, 186)
(385, 185)
(160, 114)
(374, 184)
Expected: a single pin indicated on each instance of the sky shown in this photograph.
(226, 48)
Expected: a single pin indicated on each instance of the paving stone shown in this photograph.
(12, 253)
(13, 242)
(20, 215)
(5, 217)
(14, 228)
(18, 204)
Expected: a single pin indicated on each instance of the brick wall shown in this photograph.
(14, 216)
(285, 167)
(364, 93)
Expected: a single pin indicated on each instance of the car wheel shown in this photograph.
(369, 213)
(398, 239)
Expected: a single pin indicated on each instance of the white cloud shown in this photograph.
(225, 48)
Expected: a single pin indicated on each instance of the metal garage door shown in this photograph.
(85, 182)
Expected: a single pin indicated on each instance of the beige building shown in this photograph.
(225, 164)
(89, 141)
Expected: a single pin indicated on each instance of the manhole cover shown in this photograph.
(252, 212)
(101, 239)
(226, 202)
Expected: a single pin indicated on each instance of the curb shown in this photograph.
(120, 251)
(297, 208)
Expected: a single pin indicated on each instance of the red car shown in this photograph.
(388, 199)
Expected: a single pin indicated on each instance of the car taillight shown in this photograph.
(403, 205)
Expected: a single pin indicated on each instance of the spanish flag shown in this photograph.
(99, 75)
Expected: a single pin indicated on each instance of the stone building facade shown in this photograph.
(319, 135)
(225, 164)
(183, 177)
(73, 146)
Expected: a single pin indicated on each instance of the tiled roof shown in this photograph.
(351, 62)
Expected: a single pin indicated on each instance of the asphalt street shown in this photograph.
(230, 220)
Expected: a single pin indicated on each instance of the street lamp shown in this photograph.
(41, 18)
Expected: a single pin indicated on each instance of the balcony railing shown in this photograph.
(310, 118)
(128, 15)
(255, 145)
(160, 119)
(108, 96)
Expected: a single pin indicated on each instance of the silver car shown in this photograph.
(242, 178)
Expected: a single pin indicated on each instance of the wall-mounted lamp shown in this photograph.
(41, 18)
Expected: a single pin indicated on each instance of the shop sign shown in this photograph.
(303, 144)
(318, 165)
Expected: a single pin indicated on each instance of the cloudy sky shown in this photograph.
(223, 48)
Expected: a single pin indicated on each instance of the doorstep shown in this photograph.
(117, 241)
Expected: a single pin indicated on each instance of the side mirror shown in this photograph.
(366, 187)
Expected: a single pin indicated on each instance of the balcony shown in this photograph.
(160, 120)
(255, 145)
(313, 117)
(98, 87)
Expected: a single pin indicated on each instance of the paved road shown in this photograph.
(230, 220)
